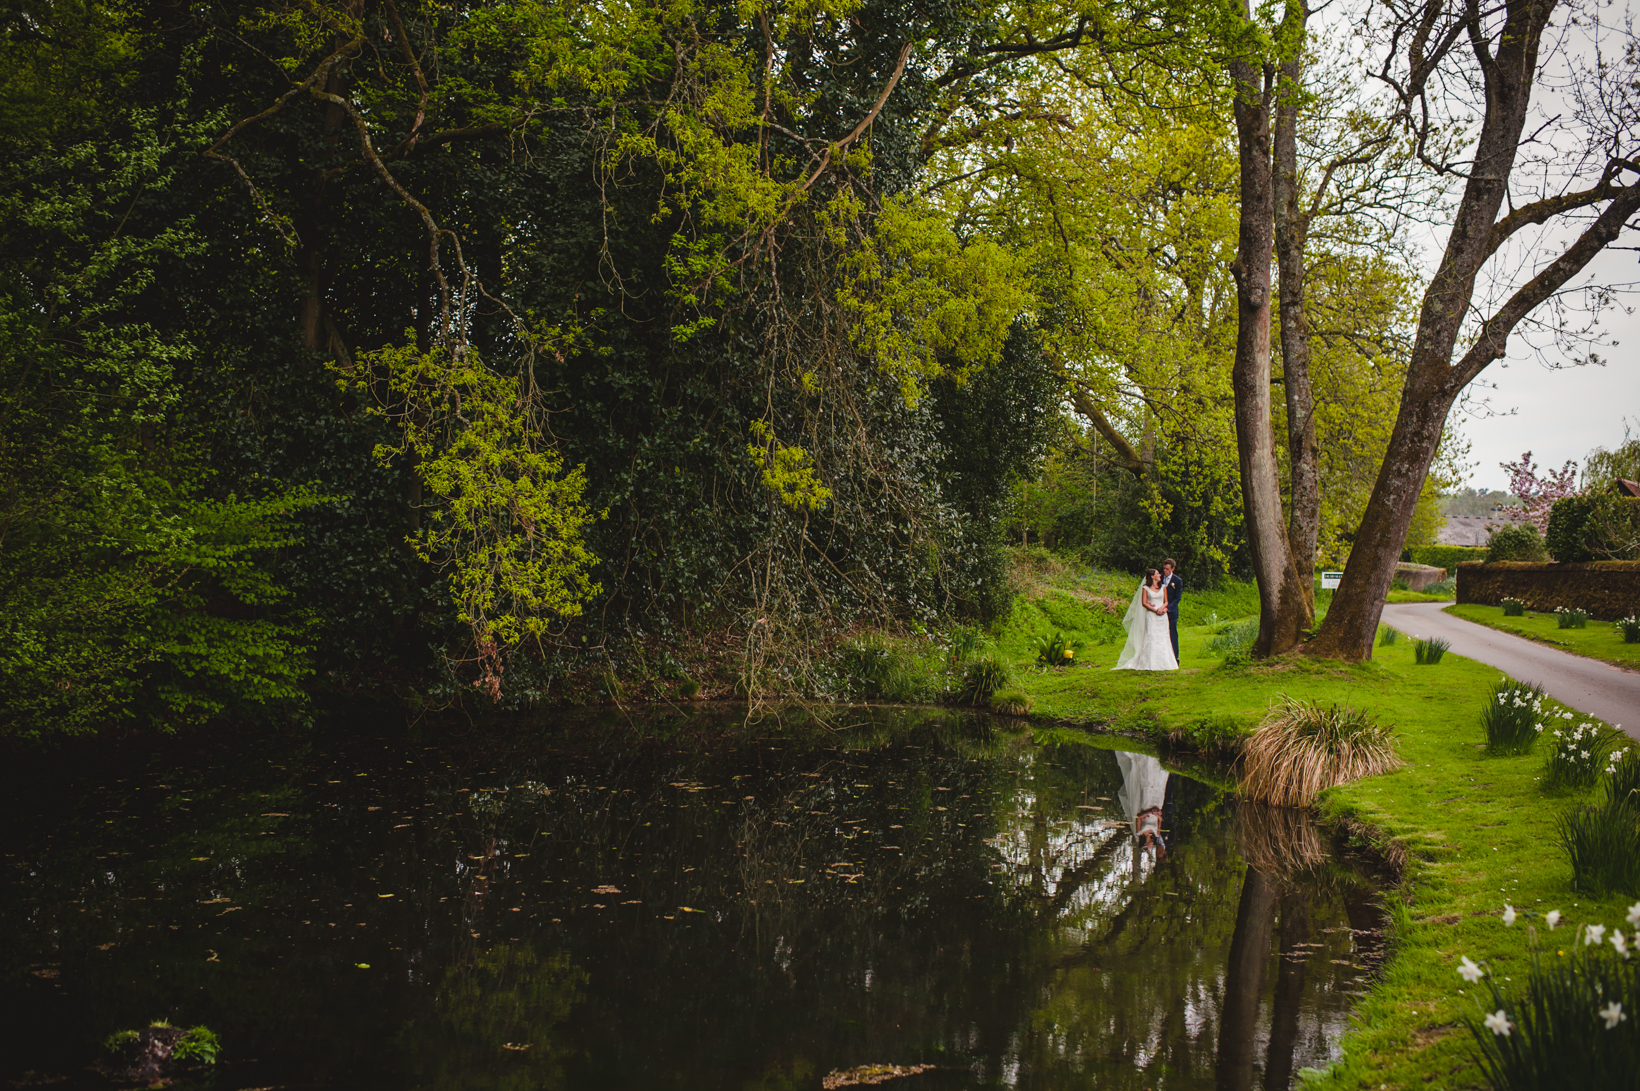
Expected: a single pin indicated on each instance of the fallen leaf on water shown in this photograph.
(384, 895)
(606, 889)
(687, 909)
(362, 965)
(230, 909)
(869, 1074)
(516, 1047)
(215, 901)
(213, 957)
(282, 814)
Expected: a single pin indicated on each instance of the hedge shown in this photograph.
(1448, 557)
(1607, 590)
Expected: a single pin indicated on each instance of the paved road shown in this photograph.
(1588, 685)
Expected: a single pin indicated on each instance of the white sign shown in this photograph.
(1330, 580)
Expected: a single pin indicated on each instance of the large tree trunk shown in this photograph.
(1283, 612)
(1433, 383)
(1291, 230)
(1244, 982)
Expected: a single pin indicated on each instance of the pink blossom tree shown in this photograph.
(1538, 487)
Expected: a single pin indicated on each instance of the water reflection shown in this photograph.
(683, 903)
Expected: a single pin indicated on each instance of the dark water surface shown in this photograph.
(677, 901)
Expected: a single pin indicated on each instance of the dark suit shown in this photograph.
(1175, 592)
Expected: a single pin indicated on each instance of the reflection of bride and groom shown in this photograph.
(1152, 623)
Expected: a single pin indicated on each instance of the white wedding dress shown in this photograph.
(1148, 647)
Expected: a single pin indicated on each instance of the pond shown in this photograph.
(679, 900)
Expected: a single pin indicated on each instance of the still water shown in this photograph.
(684, 900)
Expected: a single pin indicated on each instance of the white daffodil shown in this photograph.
(1621, 942)
(1634, 913)
(1498, 1023)
(1508, 914)
(1613, 1014)
(1552, 918)
(1593, 934)
(1469, 971)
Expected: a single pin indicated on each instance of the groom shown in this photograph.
(1175, 592)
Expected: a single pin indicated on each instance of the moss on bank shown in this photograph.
(1470, 832)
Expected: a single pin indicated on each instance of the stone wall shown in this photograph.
(1605, 589)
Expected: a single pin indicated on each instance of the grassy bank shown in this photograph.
(1472, 832)
(1600, 640)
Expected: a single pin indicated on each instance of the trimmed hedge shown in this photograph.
(1606, 590)
(1448, 557)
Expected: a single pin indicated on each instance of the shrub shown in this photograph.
(1223, 731)
(1513, 608)
(876, 667)
(1056, 651)
(1630, 628)
(1512, 718)
(1603, 841)
(1429, 651)
(1387, 636)
(1515, 542)
(1444, 556)
(1303, 748)
(1571, 618)
(1564, 536)
(1010, 702)
(197, 1044)
(1562, 1030)
(1399, 584)
(1446, 587)
(982, 676)
(1234, 642)
(1577, 753)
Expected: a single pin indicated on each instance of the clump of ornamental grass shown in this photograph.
(1573, 1023)
(1303, 748)
(1577, 752)
(1603, 841)
(1428, 652)
(982, 676)
(1387, 636)
(1571, 618)
(1010, 702)
(1513, 717)
(1630, 628)
(1513, 608)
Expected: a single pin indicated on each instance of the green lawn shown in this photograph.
(1474, 831)
(1601, 640)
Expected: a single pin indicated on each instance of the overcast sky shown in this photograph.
(1560, 414)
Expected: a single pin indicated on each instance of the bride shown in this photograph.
(1148, 647)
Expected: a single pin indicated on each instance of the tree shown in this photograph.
(1434, 45)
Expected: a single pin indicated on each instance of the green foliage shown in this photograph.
(1010, 702)
(1057, 651)
(508, 523)
(898, 670)
(1568, 519)
(1445, 556)
(1387, 636)
(1234, 642)
(1516, 542)
(1513, 718)
(1556, 1035)
(1571, 618)
(1513, 607)
(982, 677)
(1630, 628)
(1444, 588)
(121, 1041)
(197, 1044)
(1429, 650)
(1578, 751)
